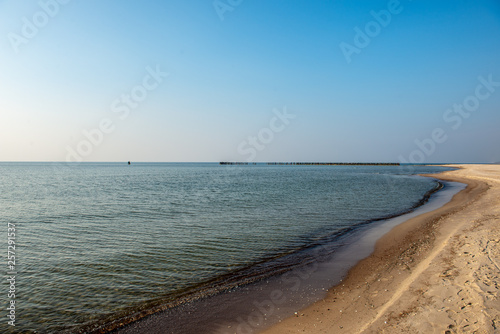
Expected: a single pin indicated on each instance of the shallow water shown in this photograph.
(99, 241)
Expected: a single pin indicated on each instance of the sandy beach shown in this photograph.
(435, 273)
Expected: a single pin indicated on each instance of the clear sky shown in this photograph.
(251, 80)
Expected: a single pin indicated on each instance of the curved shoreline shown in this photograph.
(385, 291)
(155, 312)
(228, 282)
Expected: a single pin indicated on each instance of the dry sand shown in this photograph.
(436, 273)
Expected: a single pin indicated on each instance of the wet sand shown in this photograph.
(436, 273)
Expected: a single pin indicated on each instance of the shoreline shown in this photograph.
(313, 280)
(389, 291)
(199, 294)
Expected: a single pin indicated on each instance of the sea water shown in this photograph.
(95, 242)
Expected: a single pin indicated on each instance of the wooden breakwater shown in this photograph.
(315, 163)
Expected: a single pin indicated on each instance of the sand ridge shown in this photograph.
(436, 273)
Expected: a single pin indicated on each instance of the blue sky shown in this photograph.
(87, 80)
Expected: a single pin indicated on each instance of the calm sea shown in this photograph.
(97, 241)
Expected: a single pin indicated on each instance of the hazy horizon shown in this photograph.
(253, 81)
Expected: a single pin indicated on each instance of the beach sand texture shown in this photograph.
(436, 273)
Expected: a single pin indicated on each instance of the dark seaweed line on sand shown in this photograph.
(232, 280)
